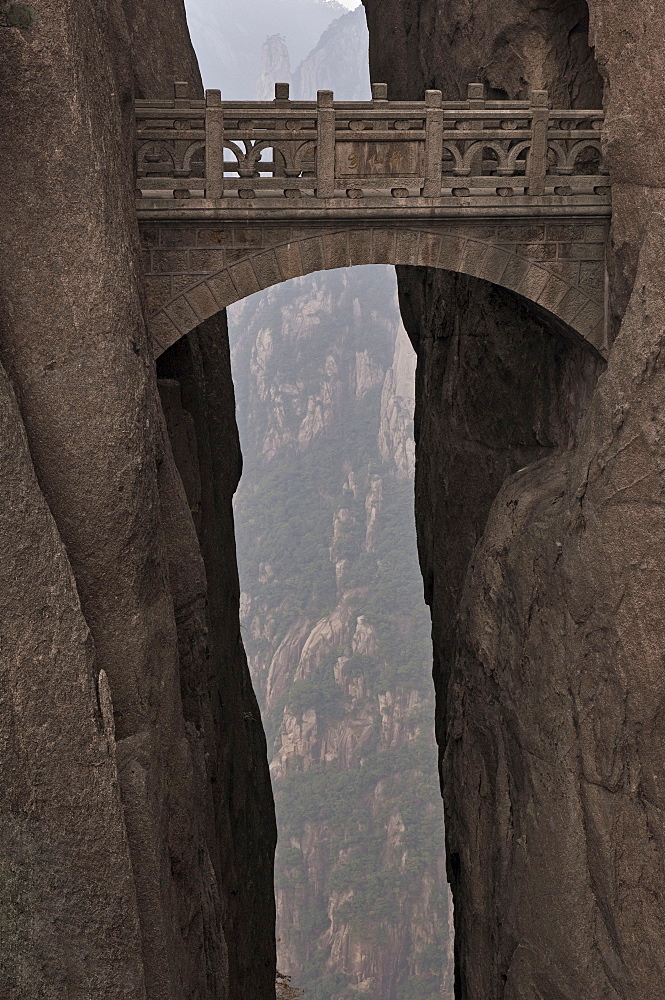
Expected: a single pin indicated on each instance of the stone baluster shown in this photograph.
(537, 167)
(475, 101)
(433, 143)
(214, 169)
(325, 145)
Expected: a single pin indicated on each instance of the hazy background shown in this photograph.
(228, 36)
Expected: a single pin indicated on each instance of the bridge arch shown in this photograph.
(190, 276)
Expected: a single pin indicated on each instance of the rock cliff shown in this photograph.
(276, 68)
(137, 826)
(338, 62)
(539, 477)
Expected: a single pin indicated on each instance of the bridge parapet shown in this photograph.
(473, 157)
(235, 196)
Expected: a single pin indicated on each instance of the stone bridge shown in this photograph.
(235, 196)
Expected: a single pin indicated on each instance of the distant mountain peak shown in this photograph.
(228, 37)
(339, 61)
(276, 67)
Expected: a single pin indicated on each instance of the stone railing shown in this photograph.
(293, 154)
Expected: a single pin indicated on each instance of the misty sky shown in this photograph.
(228, 36)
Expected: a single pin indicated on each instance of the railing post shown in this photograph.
(282, 95)
(214, 169)
(379, 91)
(537, 168)
(475, 95)
(433, 143)
(181, 94)
(279, 161)
(325, 145)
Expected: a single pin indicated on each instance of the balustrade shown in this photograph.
(431, 153)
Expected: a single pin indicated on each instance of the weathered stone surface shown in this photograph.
(68, 914)
(222, 717)
(545, 658)
(512, 49)
(157, 63)
(475, 249)
(559, 660)
(74, 343)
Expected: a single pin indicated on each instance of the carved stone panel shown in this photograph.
(379, 159)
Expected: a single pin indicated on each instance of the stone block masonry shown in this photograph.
(562, 269)
(510, 192)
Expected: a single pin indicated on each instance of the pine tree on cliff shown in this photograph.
(284, 990)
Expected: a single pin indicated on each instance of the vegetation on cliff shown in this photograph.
(337, 636)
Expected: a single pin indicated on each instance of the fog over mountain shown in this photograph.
(337, 635)
(338, 63)
(228, 36)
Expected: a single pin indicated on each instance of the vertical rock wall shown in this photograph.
(545, 584)
(222, 717)
(124, 859)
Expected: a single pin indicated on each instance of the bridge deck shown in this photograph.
(408, 158)
(236, 188)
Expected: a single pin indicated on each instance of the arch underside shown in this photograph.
(194, 270)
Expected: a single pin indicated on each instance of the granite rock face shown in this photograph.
(67, 890)
(338, 62)
(538, 486)
(129, 856)
(221, 713)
